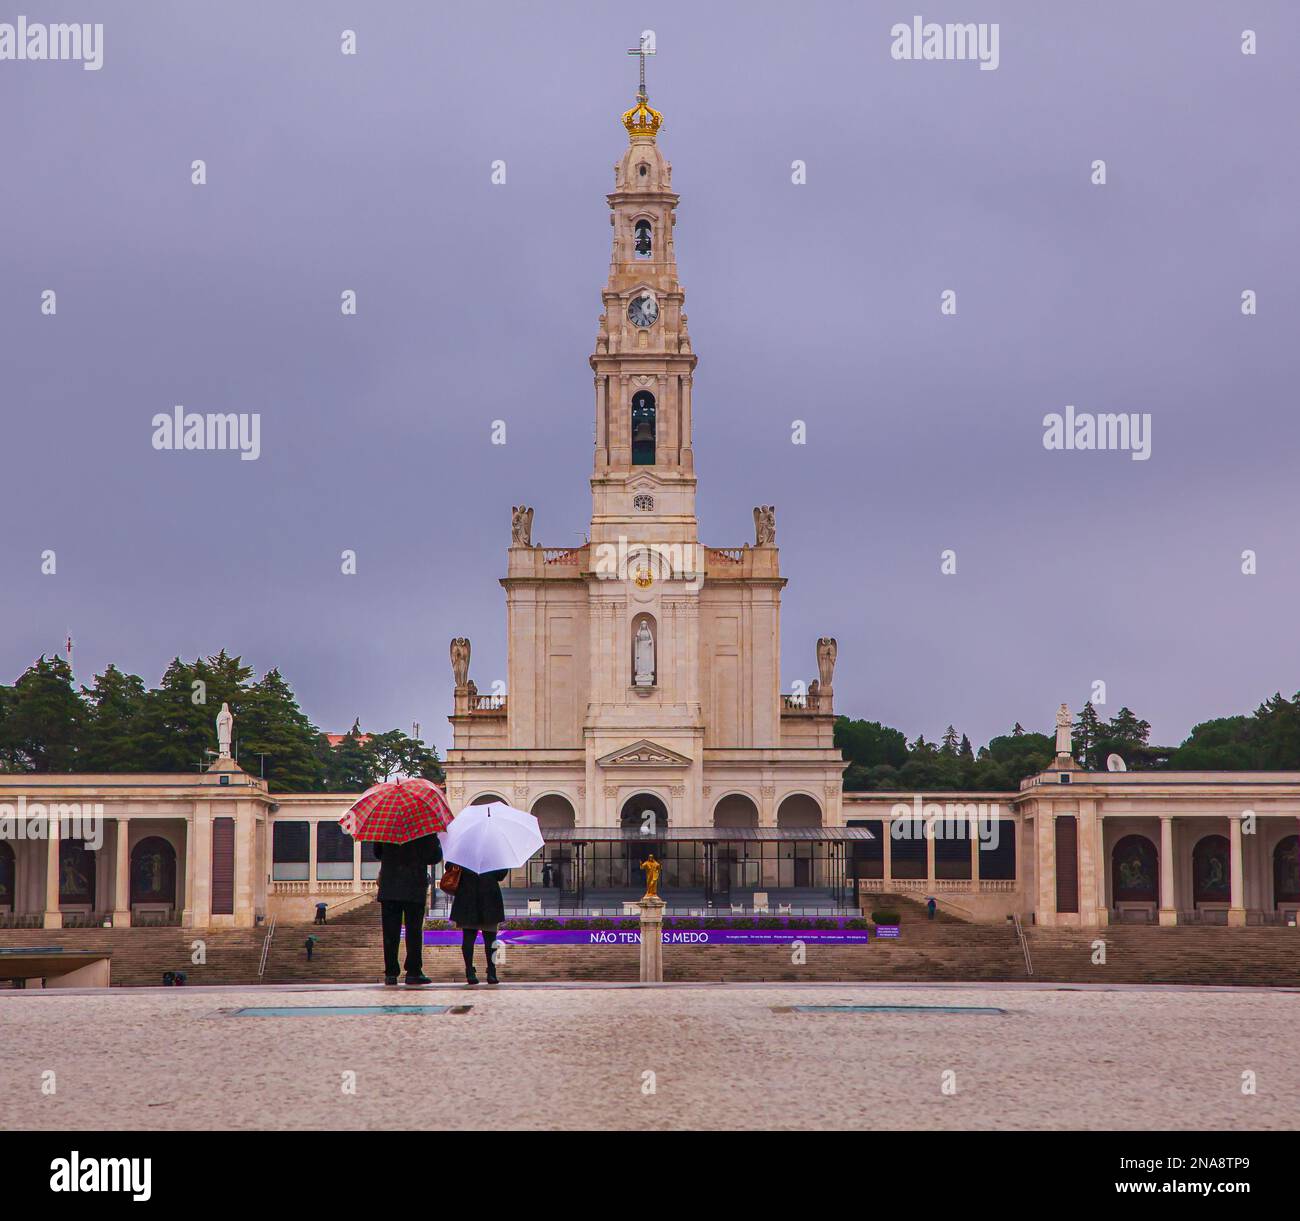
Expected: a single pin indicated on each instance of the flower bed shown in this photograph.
(537, 923)
(677, 930)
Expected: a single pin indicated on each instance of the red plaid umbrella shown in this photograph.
(395, 812)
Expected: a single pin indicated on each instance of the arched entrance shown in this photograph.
(645, 817)
(799, 863)
(1134, 870)
(553, 810)
(799, 810)
(1211, 882)
(8, 878)
(486, 799)
(557, 867)
(1286, 871)
(730, 865)
(153, 872)
(644, 813)
(735, 810)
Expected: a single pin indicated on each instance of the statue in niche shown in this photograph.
(460, 659)
(827, 651)
(521, 526)
(644, 657)
(765, 525)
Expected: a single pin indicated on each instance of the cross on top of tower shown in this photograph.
(646, 47)
(643, 119)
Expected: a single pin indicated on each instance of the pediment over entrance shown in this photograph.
(641, 753)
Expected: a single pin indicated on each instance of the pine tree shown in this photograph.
(351, 767)
(1126, 728)
(43, 719)
(275, 735)
(388, 751)
(397, 755)
(1087, 732)
(950, 742)
(113, 733)
(1018, 731)
(964, 752)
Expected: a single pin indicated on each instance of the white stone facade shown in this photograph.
(581, 721)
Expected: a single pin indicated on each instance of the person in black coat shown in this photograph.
(403, 885)
(479, 905)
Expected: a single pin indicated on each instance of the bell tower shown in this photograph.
(643, 481)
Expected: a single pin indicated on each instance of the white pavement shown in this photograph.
(692, 1056)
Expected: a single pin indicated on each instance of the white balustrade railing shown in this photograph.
(953, 886)
(332, 887)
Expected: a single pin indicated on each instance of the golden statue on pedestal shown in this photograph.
(650, 867)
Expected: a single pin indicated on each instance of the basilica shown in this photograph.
(644, 703)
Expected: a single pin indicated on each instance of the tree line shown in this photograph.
(117, 724)
(881, 759)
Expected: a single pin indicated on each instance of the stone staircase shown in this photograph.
(141, 955)
(911, 909)
(1184, 954)
(349, 951)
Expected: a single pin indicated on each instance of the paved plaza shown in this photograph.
(685, 1056)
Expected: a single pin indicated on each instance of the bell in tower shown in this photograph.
(643, 429)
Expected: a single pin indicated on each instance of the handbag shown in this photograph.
(449, 883)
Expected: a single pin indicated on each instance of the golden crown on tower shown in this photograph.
(642, 119)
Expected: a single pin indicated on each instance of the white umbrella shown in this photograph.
(492, 836)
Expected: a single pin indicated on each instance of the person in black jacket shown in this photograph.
(478, 905)
(403, 885)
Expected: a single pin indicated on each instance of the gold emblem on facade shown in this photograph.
(643, 578)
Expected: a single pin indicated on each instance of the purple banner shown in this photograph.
(674, 936)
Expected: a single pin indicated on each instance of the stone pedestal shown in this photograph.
(652, 943)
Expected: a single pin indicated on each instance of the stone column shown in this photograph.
(652, 943)
(198, 880)
(1087, 840)
(1103, 907)
(928, 824)
(122, 876)
(1168, 907)
(245, 856)
(1045, 865)
(887, 830)
(356, 864)
(311, 856)
(973, 830)
(1237, 905)
(187, 901)
(53, 917)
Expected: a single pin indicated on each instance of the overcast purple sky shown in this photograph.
(818, 302)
